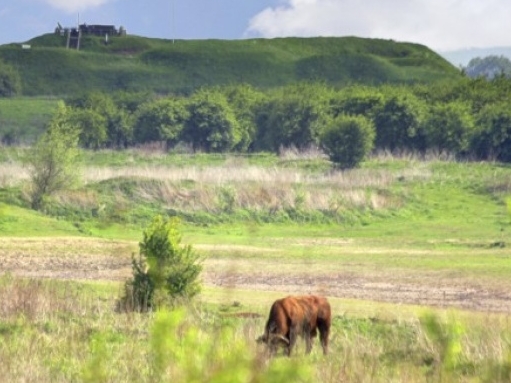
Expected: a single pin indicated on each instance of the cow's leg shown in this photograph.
(308, 339)
(293, 335)
(308, 342)
(324, 331)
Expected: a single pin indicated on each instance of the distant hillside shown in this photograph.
(137, 63)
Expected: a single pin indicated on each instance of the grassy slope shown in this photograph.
(15, 221)
(138, 63)
(25, 118)
(455, 211)
(440, 201)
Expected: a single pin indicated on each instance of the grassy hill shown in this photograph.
(138, 63)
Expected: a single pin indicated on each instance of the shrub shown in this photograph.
(165, 271)
(53, 161)
(348, 139)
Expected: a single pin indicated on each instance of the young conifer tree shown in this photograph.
(165, 271)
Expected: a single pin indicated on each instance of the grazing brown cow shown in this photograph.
(297, 315)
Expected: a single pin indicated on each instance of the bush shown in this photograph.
(53, 161)
(164, 272)
(348, 139)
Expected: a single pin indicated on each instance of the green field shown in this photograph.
(393, 243)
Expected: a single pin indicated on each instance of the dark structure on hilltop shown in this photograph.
(75, 34)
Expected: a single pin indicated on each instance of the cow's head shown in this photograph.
(273, 341)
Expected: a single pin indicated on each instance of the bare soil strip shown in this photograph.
(93, 259)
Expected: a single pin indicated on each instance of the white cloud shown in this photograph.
(439, 24)
(75, 5)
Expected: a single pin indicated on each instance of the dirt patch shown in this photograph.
(67, 258)
(93, 259)
(342, 285)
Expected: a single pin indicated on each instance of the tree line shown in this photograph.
(468, 118)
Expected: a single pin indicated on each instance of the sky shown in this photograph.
(442, 25)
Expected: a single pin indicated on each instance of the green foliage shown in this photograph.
(92, 126)
(293, 116)
(357, 100)
(245, 101)
(96, 369)
(101, 121)
(53, 161)
(160, 121)
(10, 81)
(493, 138)
(190, 354)
(418, 118)
(446, 338)
(212, 124)
(449, 127)
(348, 140)
(399, 122)
(165, 272)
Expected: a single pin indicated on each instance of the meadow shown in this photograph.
(411, 251)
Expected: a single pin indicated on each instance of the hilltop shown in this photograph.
(146, 64)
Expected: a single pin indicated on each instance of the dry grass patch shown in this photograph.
(238, 185)
(65, 246)
(12, 174)
(35, 299)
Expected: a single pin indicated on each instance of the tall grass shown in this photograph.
(62, 331)
(239, 185)
(130, 187)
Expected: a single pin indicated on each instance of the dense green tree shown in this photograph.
(92, 126)
(399, 122)
(293, 116)
(131, 101)
(160, 120)
(119, 129)
(357, 100)
(212, 125)
(347, 140)
(449, 127)
(479, 92)
(10, 81)
(493, 137)
(244, 101)
(52, 162)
